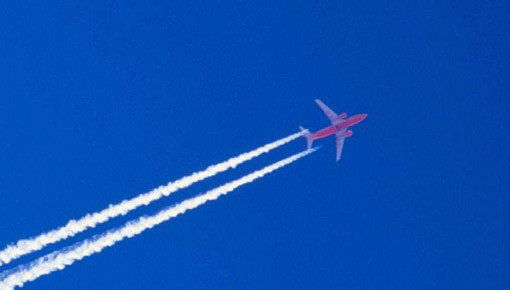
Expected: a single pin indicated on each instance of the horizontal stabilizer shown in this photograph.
(308, 136)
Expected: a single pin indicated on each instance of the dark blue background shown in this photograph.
(103, 100)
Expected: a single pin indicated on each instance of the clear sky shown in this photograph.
(103, 100)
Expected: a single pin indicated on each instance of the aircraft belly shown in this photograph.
(324, 132)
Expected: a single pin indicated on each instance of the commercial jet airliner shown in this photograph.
(339, 127)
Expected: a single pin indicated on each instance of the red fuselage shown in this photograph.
(342, 125)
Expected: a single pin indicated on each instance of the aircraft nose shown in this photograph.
(363, 116)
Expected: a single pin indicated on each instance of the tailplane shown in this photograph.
(308, 136)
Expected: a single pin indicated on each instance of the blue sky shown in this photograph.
(102, 100)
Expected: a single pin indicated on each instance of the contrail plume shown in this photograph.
(61, 259)
(73, 227)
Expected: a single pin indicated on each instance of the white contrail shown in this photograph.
(61, 259)
(73, 227)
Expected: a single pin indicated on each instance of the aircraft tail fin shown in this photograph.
(308, 137)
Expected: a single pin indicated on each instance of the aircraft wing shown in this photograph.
(332, 116)
(339, 143)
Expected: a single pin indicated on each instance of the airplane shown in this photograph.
(339, 127)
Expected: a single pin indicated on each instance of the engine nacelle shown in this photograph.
(348, 133)
(342, 116)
